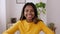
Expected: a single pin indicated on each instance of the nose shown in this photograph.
(29, 12)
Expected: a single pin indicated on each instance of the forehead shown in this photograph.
(28, 7)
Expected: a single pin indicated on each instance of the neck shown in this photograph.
(28, 20)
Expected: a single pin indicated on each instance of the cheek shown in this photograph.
(25, 14)
(33, 14)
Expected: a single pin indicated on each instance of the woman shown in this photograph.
(29, 22)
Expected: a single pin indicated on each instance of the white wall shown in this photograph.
(36, 1)
(2, 15)
(53, 13)
(13, 10)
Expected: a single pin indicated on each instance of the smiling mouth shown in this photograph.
(29, 16)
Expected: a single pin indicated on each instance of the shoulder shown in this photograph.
(17, 23)
(40, 22)
(20, 21)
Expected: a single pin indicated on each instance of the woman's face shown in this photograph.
(29, 12)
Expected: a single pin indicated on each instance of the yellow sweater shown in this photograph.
(28, 28)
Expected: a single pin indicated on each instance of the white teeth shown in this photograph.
(29, 15)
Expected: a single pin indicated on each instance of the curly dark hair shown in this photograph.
(35, 11)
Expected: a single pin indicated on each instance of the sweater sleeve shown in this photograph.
(45, 29)
(12, 29)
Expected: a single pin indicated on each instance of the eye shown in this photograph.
(26, 10)
(32, 10)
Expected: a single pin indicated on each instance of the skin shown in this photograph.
(29, 13)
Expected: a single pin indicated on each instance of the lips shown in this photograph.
(29, 16)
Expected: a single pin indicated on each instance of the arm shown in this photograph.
(45, 29)
(12, 29)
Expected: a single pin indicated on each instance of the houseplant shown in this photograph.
(41, 7)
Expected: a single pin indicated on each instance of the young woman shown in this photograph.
(29, 22)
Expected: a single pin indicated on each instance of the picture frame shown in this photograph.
(20, 1)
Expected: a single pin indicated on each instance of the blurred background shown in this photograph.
(10, 12)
